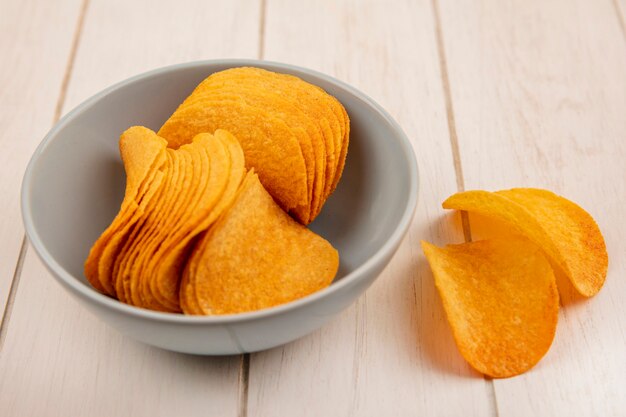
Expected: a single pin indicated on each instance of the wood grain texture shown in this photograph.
(539, 96)
(620, 10)
(35, 43)
(57, 359)
(392, 352)
(122, 39)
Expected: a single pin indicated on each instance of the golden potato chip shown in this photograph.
(161, 218)
(303, 107)
(267, 141)
(143, 155)
(315, 102)
(568, 234)
(500, 299)
(256, 256)
(141, 234)
(169, 213)
(141, 274)
(333, 121)
(167, 264)
(344, 149)
(301, 127)
(142, 260)
(256, 92)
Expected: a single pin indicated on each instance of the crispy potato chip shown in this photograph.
(292, 110)
(567, 233)
(301, 126)
(167, 264)
(140, 237)
(256, 256)
(168, 215)
(143, 257)
(143, 155)
(267, 141)
(500, 299)
(320, 106)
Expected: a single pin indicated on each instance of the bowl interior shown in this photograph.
(77, 178)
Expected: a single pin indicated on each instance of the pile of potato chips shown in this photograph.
(199, 230)
(293, 133)
(500, 294)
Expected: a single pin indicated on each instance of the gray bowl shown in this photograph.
(74, 184)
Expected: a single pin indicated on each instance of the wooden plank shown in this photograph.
(131, 38)
(539, 95)
(392, 352)
(35, 43)
(620, 9)
(57, 358)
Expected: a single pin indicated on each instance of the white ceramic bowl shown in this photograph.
(74, 184)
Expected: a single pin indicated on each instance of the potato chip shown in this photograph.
(257, 92)
(267, 141)
(302, 128)
(162, 217)
(568, 234)
(303, 107)
(143, 258)
(256, 256)
(142, 160)
(500, 299)
(142, 234)
(167, 263)
(319, 105)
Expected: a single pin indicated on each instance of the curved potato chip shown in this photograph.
(256, 256)
(304, 107)
(321, 106)
(140, 239)
(268, 143)
(567, 233)
(168, 261)
(257, 92)
(143, 155)
(276, 105)
(500, 299)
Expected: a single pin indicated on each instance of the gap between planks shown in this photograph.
(456, 156)
(57, 115)
(244, 378)
(262, 13)
(6, 316)
(454, 140)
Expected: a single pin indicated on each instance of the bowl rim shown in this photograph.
(71, 282)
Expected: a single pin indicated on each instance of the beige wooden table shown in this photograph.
(493, 94)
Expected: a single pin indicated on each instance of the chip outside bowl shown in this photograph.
(74, 184)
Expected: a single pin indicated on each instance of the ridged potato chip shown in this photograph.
(143, 260)
(293, 112)
(255, 257)
(257, 93)
(567, 233)
(167, 264)
(500, 299)
(268, 143)
(331, 115)
(142, 162)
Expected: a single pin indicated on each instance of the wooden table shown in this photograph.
(493, 94)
